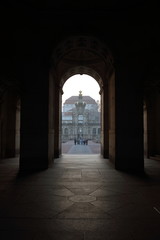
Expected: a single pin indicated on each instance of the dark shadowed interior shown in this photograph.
(47, 195)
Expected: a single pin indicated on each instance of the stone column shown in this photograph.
(158, 122)
(17, 130)
(8, 124)
(129, 154)
(57, 120)
(51, 115)
(153, 126)
(111, 116)
(104, 121)
(34, 112)
(145, 123)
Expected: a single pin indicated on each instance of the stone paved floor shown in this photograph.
(80, 149)
(82, 197)
(91, 148)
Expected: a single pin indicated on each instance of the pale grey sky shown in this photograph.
(84, 83)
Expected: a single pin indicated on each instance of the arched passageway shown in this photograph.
(83, 55)
(121, 101)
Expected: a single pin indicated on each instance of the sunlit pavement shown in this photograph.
(70, 148)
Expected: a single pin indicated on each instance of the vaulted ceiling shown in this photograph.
(26, 24)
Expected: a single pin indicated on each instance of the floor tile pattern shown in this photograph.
(81, 197)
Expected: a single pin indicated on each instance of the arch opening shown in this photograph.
(83, 55)
(81, 116)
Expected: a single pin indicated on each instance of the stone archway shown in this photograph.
(121, 95)
(82, 55)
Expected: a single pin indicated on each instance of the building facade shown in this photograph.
(81, 119)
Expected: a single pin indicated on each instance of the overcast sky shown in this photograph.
(84, 83)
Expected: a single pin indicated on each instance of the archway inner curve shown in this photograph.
(81, 70)
(81, 55)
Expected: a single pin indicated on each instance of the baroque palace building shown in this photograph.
(81, 119)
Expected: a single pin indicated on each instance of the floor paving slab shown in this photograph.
(80, 197)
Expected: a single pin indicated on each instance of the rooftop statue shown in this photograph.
(80, 106)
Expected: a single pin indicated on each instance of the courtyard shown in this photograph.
(91, 148)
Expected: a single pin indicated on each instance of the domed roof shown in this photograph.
(86, 99)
